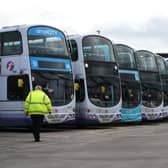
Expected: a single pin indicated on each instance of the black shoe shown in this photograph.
(37, 140)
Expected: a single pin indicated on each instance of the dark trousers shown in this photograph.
(37, 121)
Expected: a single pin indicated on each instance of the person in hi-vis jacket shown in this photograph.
(37, 105)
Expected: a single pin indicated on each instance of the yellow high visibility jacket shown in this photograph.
(37, 102)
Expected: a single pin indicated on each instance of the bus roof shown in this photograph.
(165, 55)
(19, 27)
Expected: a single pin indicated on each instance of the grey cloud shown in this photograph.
(155, 28)
(152, 34)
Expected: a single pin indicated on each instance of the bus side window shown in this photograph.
(79, 90)
(11, 43)
(73, 50)
(0, 65)
(17, 87)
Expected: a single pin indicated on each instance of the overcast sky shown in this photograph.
(141, 24)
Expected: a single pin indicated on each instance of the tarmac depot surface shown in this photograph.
(124, 146)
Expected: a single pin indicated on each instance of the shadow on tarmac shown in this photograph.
(63, 128)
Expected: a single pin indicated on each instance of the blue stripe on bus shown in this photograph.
(45, 32)
(136, 73)
(131, 115)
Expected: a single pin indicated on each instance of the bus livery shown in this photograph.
(130, 84)
(97, 80)
(152, 99)
(33, 55)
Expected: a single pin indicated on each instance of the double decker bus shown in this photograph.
(163, 69)
(31, 55)
(130, 84)
(98, 97)
(152, 99)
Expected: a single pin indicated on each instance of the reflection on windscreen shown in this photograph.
(151, 94)
(130, 94)
(161, 65)
(165, 91)
(103, 91)
(165, 98)
(46, 41)
(125, 57)
(58, 86)
(97, 48)
(146, 61)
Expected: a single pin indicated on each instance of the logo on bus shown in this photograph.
(10, 65)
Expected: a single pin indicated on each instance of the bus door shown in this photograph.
(80, 96)
(13, 91)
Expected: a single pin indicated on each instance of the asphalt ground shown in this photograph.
(117, 146)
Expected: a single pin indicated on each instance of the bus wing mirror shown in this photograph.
(20, 83)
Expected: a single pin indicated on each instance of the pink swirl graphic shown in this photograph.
(10, 65)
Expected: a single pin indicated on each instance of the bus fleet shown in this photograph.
(89, 79)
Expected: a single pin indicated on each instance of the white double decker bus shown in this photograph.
(31, 55)
(152, 96)
(98, 91)
(163, 71)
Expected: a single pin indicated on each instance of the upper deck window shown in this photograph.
(46, 41)
(97, 48)
(146, 61)
(11, 43)
(125, 57)
(161, 65)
